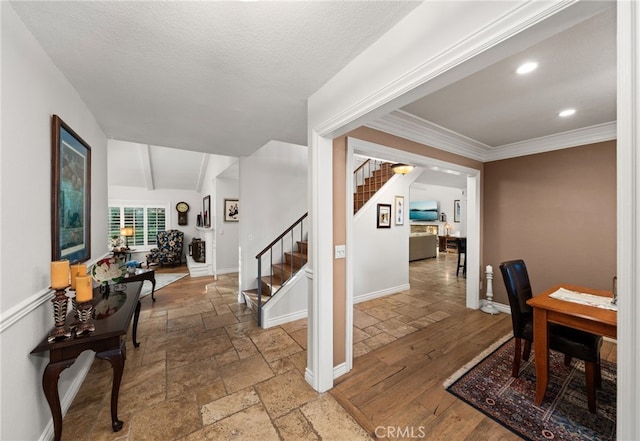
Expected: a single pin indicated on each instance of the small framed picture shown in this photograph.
(399, 211)
(231, 210)
(384, 216)
(456, 210)
(206, 211)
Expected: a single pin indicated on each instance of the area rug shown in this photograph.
(488, 386)
(162, 280)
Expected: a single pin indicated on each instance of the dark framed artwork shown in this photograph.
(70, 194)
(231, 210)
(384, 216)
(206, 211)
(456, 210)
(399, 211)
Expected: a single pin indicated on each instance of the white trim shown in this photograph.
(381, 293)
(340, 370)
(408, 126)
(227, 270)
(281, 320)
(472, 256)
(320, 302)
(22, 309)
(499, 306)
(349, 255)
(628, 215)
(145, 159)
(204, 165)
(413, 128)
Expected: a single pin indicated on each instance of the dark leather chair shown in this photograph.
(461, 244)
(571, 342)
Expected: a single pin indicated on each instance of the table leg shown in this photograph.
(50, 386)
(136, 316)
(541, 348)
(153, 286)
(117, 358)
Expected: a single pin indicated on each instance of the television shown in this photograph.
(423, 210)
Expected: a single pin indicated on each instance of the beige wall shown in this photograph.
(555, 210)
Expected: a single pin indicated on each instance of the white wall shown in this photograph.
(118, 193)
(32, 90)
(273, 195)
(227, 232)
(445, 197)
(381, 255)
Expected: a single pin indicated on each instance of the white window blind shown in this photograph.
(146, 219)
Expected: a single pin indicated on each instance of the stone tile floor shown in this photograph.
(205, 371)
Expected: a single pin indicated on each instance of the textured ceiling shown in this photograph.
(221, 77)
(227, 77)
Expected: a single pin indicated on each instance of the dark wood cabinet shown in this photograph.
(448, 244)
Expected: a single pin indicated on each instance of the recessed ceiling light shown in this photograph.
(527, 67)
(567, 112)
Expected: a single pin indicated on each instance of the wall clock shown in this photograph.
(182, 208)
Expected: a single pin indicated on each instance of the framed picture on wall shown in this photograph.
(456, 210)
(70, 194)
(206, 211)
(384, 216)
(399, 210)
(231, 210)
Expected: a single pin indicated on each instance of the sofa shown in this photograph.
(422, 246)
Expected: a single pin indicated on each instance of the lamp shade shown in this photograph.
(126, 231)
(402, 169)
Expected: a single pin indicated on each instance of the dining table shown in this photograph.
(578, 307)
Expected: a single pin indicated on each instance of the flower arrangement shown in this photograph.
(108, 270)
(115, 242)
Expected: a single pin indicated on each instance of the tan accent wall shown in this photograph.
(339, 238)
(339, 214)
(557, 211)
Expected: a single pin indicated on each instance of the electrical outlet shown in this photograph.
(341, 251)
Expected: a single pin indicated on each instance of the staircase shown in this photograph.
(368, 179)
(284, 257)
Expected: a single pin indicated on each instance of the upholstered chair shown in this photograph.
(571, 342)
(169, 250)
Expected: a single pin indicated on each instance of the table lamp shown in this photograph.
(127, 232)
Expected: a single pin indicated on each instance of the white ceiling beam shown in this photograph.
(145, 160)
(203, 171)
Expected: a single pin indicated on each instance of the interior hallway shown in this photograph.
(204, 370)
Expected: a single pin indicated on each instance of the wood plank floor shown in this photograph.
(396, 392)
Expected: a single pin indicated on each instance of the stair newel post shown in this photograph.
(260, 291)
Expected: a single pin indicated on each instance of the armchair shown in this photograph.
(169, 250)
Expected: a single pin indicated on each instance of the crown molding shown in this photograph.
(558, 141)
(405, 125)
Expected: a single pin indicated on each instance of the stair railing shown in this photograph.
(365, 181)
(279, 242)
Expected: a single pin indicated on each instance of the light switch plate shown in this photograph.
(340, 251)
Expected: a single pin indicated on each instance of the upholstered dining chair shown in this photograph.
(169, 250)
(571, 342)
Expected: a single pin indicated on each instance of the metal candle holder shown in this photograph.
(85, 320)
(59, 315)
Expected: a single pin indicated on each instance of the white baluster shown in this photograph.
(488, 304)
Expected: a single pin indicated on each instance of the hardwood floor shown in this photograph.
(396, 391)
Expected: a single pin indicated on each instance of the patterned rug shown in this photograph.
(488, 386)
(162, 280)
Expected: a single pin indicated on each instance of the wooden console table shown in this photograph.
(107, 341)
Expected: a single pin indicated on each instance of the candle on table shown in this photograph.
(79, 269)
(84, 289)
(59, 274)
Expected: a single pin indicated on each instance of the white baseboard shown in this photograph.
(227, 270)
(383, 292)
(499, 306)
(281, 320)
(340, 370)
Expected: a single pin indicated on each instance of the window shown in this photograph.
(146, 219)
